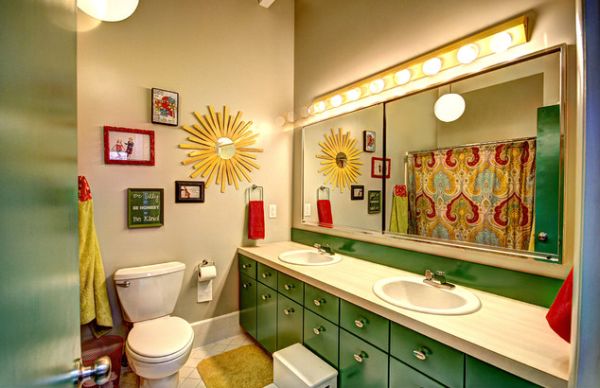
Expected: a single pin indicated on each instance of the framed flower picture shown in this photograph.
(369, 141)
(165, 107)
(377, 167)
(128, 146)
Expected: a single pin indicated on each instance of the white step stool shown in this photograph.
(297, 367)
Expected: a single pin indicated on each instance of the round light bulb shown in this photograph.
(376, 86)
(336, 100)
(467, 54)
(432, 66)
(501, 42)
(449, 107)
(108, 10)
(353, 94)
(402, 77)
(318, 107)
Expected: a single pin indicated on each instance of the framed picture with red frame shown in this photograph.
(377, 167)
(128, 146)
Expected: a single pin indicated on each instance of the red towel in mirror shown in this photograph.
(559, 315)
(256, 220)
(324, 210)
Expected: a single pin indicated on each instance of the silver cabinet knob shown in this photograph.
(246, 285)
(99, 372)
(319, 302)
(422, 353)
(265, 296)
(289, 311)
(246, 266)
(288, 287)
(542, 236)
(360, 357)
(266, 275)
(318, 330)
(360, 323)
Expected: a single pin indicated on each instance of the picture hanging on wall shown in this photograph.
(369, 141)
(165, 107)
(374, 202)
(377, 167)
(145, 208)
(357, 192)
(128, 146)
(189, 191)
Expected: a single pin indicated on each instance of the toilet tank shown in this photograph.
(149, 291)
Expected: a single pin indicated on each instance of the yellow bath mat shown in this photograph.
(245, 367)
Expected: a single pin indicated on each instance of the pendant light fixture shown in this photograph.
(108, 10)
(449, 107)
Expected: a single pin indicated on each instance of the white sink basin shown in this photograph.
(413, 294)
(309, 257)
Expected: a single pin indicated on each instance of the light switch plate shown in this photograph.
(307, 210)
(272, 211)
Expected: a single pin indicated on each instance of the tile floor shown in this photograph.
(188, 375)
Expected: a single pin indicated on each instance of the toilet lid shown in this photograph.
(160, 337)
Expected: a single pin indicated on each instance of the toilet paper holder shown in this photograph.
(205, 263)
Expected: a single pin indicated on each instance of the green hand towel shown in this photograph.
(399, 218)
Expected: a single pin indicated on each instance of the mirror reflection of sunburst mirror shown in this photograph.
(222, 148)
(340, 156)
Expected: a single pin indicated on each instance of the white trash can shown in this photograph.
(297, 367)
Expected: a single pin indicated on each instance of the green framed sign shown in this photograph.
(374, 201)
(145, 208)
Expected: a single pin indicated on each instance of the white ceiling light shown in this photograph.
(353, 94)
(336, 100)
(432, 66)
(402, 77)
(501, 42)
(377, 86)
(449, 107)
(108, 10)
(467, 54)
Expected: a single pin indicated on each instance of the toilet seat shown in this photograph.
(160, 340)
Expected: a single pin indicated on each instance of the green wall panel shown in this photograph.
(535, 289)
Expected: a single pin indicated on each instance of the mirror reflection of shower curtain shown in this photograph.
(479, 193)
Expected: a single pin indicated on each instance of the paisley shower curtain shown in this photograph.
(480, 194)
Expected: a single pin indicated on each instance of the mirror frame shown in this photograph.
(535, 263)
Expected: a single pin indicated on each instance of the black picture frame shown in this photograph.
(145, 208)
(357, 192)
(195, 196)
(157, 116)
(374, 202)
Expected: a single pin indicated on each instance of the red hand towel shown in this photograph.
(324, 209)
(559, 315)
(256, 220)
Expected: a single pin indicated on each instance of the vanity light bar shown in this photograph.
(491, 41)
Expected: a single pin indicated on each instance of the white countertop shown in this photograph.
(510, 334)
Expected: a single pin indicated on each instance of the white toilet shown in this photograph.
(297, 367)
(158, 345)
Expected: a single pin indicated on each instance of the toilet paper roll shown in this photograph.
(206, 274)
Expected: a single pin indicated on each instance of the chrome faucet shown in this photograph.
(437, 279)
(324, 249)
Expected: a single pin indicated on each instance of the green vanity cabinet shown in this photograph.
(247, 266)
(290, 287)
(289, 322)
(480, 374)
(267, 276)
(365, 324)
(402, 375)
(322, 303)
(321, 336)
(266, 317)
(428, 356)
(361, 364)
(248, 304)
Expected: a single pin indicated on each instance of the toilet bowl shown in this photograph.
(158, 345)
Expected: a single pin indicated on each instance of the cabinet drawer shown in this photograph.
(429, 356)
(289, 322)
(267, 276)
(365, 324)
(266, 317)
(321, 336)
(247, 266)
(479, 374)
(361, 364)
(248, 304)
(402, 375)
(322, 303)
(290, 287)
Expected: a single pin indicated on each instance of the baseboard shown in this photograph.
(216, 329)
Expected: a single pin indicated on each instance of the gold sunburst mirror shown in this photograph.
(222, 148)
(341, 159)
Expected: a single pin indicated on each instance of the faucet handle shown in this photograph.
(317, 245)
(428, 274)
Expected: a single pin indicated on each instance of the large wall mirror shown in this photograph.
(475, 163)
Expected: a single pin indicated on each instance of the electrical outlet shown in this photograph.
(272, 211)
(307, 210)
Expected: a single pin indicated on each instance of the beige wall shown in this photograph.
(219, 52)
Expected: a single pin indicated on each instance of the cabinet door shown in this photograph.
(290, 287)
(266, 317)
(480, 374)
(321, 336)
(289, 322)
(361, 364)
(365, 325)
(248, 304)
(247, 266)
(322, 303)
(267, 276)
(402, 375)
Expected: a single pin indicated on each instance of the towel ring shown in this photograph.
(252, 189)
(325, 190)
